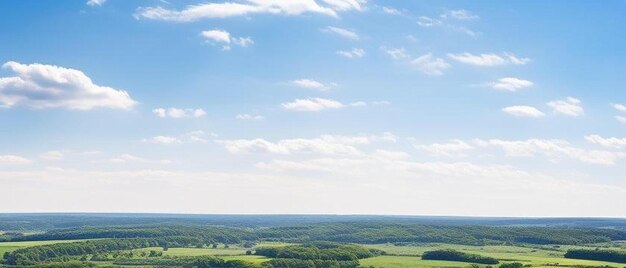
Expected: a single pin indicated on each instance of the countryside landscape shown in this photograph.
(312, 133)
(143, 240)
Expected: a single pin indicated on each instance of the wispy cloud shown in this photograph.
(430, 65)
(345, 33)
(354, 53)
(488, 60)
(247, 7)
(312, 105)
(511, 84)
(249, 117)
(312, 84)
(178, 112)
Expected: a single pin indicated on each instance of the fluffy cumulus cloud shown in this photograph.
(95, 2)
(354, 53)
(621, 119)
(430, 65)
(523, 111)
(619, 107)
(615, 143)
(312, 105)
(13, 160)
(248, 7)
(569, 106)
(325, 144)
(345, 33)
(225, 39)
(178, 113)
(488, 60)
(42, 86)
(511, 84)
(312, 84)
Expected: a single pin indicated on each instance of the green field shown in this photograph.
(536, 256)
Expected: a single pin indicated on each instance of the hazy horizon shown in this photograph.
(314, 107)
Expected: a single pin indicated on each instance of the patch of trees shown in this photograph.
(298, 263)
(512, 265)
(316, 255)
(597, 255)
(195, 262)
(311, 251)
(453, 255)
(32, 255)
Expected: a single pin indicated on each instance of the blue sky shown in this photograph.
(509, 108)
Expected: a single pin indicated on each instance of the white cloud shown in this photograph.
(456, 148)
(444, 23)
(325, 145)
(128, 158)
(13, 160)
(570, 106)
(343, 5)
(615, 143)
(52, 155)
(553, 149)
(430, 65)
(460, 14)
(488, 60)
(178, 112)
(249, 117)
(354, 53)
(391, 11)
(619, 107)
(345, 33)
(523, 111)
(43, 86)
(247, 7)
(396, 53)
(95, 2)
(224, 38)
(312, 84)
(190, 137)
(428, 21)
(510, 84)
(621, 119)
(312, 105)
